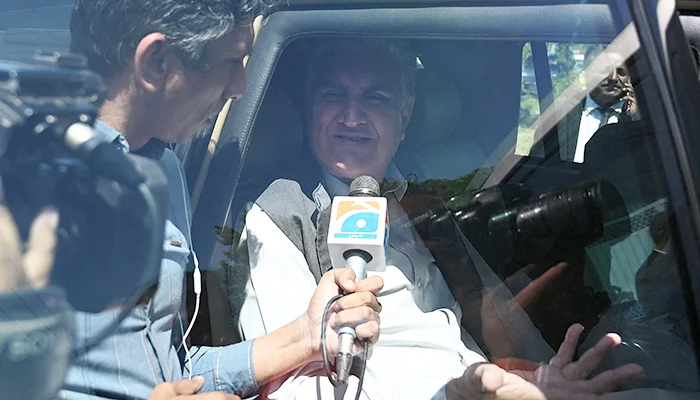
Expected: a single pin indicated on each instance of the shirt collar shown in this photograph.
(153, 149)
(394, 182)
(110, 134)
(591, 106)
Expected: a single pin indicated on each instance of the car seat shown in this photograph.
(432, 149)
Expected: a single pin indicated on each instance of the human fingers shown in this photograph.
(39, 258)
(484, 377)
(354, 317)
(344, 278)
(591, 358)
(368, 331)
(372, 284)
(169, 390)
(206, 396)
(188, 386)
(532, 291)
(214, 396)
(355, 300)
(11, 273)
(610, 380)
(566, 351)
(516, 364)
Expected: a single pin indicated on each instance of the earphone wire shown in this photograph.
(196, 276)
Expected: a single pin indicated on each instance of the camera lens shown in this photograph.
(577, 212)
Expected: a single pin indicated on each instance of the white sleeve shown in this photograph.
(280, 285)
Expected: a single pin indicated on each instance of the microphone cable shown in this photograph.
(332, 376)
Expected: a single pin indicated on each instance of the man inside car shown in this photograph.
(169, 66)
(358, 100)
(612, 101)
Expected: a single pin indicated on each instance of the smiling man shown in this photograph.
(169, 66)
(358, 112)
(359, 97)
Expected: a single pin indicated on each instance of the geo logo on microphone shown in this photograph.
(358, 219)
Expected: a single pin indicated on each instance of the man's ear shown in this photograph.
(406, 113)
(152, 62)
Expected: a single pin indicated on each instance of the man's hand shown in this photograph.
(629, 100)
(31, 267)
(359, 309)
(562, 378)
(186, 389)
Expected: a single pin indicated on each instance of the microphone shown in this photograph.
(357, 239)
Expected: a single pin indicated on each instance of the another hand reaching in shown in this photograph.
(562, 378)
(30, 266)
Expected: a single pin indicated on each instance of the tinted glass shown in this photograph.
(29, 26)
(542, 152)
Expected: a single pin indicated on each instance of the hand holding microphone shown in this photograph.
(358, 308)
(357, 237)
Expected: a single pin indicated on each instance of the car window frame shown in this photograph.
(243, 113)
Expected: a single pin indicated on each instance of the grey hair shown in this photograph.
(398, 50)
(108, 31)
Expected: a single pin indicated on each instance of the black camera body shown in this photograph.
(112, 205)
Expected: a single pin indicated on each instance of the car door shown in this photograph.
(625, 258)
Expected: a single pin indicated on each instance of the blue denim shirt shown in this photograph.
(143, 352)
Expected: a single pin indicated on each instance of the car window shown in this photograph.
(566, 62)
(529, 104)
(551, 172)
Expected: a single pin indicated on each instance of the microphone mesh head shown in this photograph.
(364, 186)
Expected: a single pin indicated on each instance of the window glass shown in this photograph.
(545, 192)
(566, 63)
(529, 105)
(29, 26)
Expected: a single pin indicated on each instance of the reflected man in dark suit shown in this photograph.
(613, 100)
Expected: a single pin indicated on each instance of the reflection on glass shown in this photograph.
(554, 205)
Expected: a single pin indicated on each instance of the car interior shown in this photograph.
(467, 123)
(466, 119)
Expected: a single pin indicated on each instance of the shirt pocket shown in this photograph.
(175, 244)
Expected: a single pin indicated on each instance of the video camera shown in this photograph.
(510, 230)
(112, 205)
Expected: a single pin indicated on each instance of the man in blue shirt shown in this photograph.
(170, 65)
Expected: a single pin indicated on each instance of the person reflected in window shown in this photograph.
(612, 101)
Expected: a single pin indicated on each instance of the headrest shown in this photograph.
(691, 28)
(277, 135)
(437, 109)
